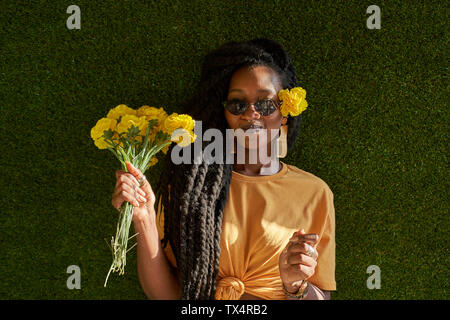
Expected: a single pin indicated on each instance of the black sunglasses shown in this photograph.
(264, 107)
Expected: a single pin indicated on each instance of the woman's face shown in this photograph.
(251, 85)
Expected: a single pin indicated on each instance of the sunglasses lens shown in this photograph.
(235, 107)
(265, 107)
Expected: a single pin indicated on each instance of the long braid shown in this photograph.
(198, 192)
(197, 232)
(212, 199)
(203, 232)
(180, 232)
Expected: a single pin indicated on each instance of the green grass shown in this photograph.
(376, 130)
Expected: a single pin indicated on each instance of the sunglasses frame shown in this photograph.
(277, 104)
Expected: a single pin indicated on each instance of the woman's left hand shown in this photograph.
(298, 260)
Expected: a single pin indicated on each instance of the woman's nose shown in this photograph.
(251, 113)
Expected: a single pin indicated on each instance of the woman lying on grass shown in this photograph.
(243, 230)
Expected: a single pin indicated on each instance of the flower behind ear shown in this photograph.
(294, 101)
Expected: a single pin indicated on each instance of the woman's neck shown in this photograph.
(258, 168)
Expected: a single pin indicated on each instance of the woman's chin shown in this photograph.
(251, 148)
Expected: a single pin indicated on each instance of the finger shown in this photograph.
(116, 202)
(148, 191)
(304, 248)
(145, 184)
(141, 192)
(302, 271)
(301, 234)
(311, 238)
(131, 193)
(119, 199)
(127, 178)
(301, 258)
(134, 171)
(119, 173)
(297, 248)
(127, 196)
(135, 193)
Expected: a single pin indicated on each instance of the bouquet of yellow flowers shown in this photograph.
(137, 136)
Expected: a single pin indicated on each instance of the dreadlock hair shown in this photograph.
(198, 192)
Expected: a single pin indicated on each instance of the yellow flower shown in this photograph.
(183, 137)
(193, 136)
(104, 124)
(119, 111)
(177, 121)
(283, 95)
(101, 144)
(294, 101)
(152, 162)
(128, 120)
(298, 92)
(152, 113)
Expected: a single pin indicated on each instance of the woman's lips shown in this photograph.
(252, 126)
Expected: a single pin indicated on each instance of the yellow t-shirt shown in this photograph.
(261, 214)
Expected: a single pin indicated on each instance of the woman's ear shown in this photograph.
(284, 120)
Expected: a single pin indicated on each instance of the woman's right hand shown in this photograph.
(127, 189)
